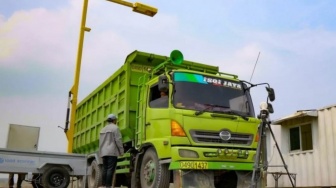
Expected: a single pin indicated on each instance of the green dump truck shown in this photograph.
(202, 134)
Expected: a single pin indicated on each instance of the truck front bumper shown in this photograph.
(211, 158)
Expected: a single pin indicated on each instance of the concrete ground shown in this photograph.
(4, 184)
(24, 185)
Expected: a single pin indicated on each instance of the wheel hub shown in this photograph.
(149, 171)
(56, 179)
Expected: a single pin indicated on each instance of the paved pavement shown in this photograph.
(3, 184)
(24, 185)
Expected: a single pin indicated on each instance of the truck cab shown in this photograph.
(204, 121)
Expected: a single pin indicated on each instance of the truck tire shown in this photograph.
(152, 173)
(135, 182)
(135, 178)
(55, 177)
(95, 178)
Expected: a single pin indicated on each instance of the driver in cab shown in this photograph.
(161, 102)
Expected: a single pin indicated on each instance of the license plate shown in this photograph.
(193, 165)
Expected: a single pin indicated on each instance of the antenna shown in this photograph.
(255, 66)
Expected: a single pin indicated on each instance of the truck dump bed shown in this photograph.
(118, 95)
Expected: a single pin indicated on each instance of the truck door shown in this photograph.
(157, 120)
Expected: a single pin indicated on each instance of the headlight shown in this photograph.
(188, 153)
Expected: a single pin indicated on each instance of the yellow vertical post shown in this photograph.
(74, 89)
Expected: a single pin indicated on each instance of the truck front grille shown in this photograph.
(213, 137)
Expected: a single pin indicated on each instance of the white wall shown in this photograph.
(315, 167)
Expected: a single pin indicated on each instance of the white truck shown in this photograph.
(42, 169)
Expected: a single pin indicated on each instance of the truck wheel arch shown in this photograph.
(94, 156)
(44, 167)
(165, 150)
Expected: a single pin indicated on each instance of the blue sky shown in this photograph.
(38, 46)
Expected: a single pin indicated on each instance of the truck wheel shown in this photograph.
(56, 177)
(95, 178)
(153, 174)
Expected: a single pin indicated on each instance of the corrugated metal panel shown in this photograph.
(298, 114)
(327, 128)
(315, 167)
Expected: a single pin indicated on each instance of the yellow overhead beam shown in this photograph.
(138, 7)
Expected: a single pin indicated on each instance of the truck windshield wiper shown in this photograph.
(199, 112)
(231, 112)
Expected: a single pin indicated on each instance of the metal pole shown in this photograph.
(283, 161)
(260, 163)
(256, 166)
(74, 89)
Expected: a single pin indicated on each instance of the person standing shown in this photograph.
(20, 178)
(110, 147)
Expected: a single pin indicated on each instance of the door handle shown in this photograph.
(148, 123)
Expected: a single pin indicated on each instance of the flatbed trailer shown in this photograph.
(44, 169)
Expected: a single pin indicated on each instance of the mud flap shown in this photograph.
(193, 179)
(244, 180)
(205, 179)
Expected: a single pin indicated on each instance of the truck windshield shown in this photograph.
(212, 94)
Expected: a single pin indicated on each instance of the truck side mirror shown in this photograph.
(163, 83)
(271, 94)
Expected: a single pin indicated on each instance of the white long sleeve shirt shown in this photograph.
(110, 141)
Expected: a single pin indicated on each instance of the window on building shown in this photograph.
(301, 138)
(294, 138)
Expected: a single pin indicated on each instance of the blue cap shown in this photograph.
(112, 117)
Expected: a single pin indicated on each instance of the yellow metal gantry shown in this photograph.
(73, 93)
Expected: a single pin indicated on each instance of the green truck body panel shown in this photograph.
(118, 94)
(128, 93)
